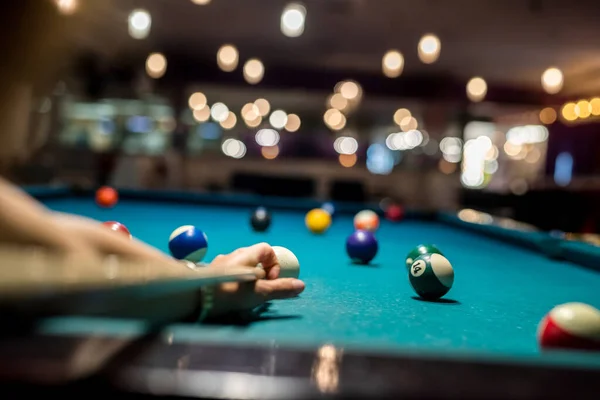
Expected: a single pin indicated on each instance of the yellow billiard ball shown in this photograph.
(317, 220)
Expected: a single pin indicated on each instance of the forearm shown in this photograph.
(107, 242)
(24, 221)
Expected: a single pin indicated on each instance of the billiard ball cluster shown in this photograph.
(430, 273)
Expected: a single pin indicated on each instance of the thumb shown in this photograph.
(283, 288)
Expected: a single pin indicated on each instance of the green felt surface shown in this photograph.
(500, 293)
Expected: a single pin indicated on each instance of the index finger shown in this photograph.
(260, 253)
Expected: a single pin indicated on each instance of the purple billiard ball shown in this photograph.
(361, 246)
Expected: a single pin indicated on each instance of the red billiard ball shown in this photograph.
(394, 212)
(106, 197)
(117, 227)
(570, 326)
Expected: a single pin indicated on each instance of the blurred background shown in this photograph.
(442, 105)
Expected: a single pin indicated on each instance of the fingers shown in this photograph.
(284, 288)
(260, 273)
(218, 260)
(273, 273)
(107, 242)
(260, 253)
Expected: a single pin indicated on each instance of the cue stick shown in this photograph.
(37, 283)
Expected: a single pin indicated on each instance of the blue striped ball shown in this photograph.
(188, 243)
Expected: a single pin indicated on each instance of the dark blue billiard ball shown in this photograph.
(361, 246)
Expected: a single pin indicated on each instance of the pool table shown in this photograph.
(357, 330)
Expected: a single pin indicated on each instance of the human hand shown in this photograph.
(240, 296)
(97, 239)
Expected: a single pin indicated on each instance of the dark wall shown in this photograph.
(581, 140)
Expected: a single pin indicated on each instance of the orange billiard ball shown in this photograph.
(366, 220)
(117, 227)
(106, 197)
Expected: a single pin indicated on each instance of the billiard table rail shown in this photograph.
(72, 366)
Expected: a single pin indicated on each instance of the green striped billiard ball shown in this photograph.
(431, 276)
(419, 251)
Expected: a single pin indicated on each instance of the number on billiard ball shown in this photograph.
(419, 251)
(418, 268)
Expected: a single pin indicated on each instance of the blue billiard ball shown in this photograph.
(362, 246)
(188, 243)
(329, 207)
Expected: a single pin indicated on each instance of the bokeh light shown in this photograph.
(552, 80)
(429, 48)
(347, 160)
(250, 112)
(228, 58)
(156, 65)
(400, 114)
(267, 137)
(568, 112)
(219, 112)
(233, 148)
(293, 123)
(254, 122)
(345, 145)
(583, 109)
(292, 20)
(476, 89)
(408, 124)
(350, 90)
(270, 152)
(229, 122)
(548, 116)
(334, 119)
(338, 102)
(139, 23)
(263, 107)
(451, 148)
(595, 103)
(254, 70)
(278, 119)
(202, 115)
(392, 64)
(67, 7)
(197, 101)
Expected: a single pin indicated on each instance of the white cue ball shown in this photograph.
(290, 266)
